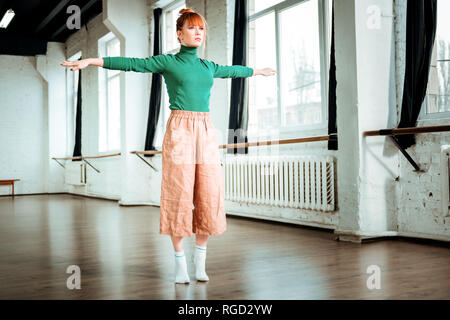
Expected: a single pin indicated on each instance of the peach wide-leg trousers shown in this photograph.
(191, 175)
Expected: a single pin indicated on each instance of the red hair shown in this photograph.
(192, 18)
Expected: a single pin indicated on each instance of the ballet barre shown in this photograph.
(243, 145)
(83, 158)
(410, 130)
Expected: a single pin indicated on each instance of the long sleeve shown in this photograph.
(156, 64)
(235, 71)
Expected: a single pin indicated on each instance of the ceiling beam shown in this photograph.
(3, 8)
(63, 27)
(51, 15)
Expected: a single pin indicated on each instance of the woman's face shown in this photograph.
(191, 36)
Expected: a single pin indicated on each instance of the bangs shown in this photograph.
(195, 20)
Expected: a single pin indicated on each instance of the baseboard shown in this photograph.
(32, 194)
(284, 220)
(137, 203)
(427, 236)
(94, 196)
(361, 236)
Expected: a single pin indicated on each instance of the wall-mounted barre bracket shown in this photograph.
(406, 154)
(59, 163)
(409, 130)
(146, 162)
(83, 158)
(91, 165)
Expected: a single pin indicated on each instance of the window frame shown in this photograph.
(324, 20)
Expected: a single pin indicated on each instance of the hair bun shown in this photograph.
(183, 11)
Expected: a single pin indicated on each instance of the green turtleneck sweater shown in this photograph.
(188, 78)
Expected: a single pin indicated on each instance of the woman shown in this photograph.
(191, 170)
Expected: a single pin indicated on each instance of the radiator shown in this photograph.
(445, 174)
(75, 172)
(304, 182)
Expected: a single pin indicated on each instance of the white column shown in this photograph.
(365, 72)
(49, 67)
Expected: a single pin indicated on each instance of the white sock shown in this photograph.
(181, 275)
(199, 261)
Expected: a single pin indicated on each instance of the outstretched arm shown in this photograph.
(152, 64)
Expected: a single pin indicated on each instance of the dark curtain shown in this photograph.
(155, 93)
(332, 125)
(420, 33)
(77, 148)
(238, 103)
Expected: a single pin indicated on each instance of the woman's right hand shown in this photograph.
(77, 65)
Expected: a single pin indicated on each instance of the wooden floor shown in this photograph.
(122, 256)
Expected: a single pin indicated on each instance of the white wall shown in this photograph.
(32, 116)
(23, 125)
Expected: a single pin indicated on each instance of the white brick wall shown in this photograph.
(23, 125)
(419, 208)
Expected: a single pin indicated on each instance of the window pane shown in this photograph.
(113, 50)
(114, 47)
(75, 93)
(443, 55)
(259, 5)
(301, 98)
(263, 106)
(443, 70)
(102, 139)
(171, 40)
(443, 29)
(114, 113)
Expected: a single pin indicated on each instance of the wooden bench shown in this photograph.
(9, 182)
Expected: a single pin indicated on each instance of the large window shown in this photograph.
(292, 37)
(437, 101)
(109, 106)
(170, 44)
(72, 93)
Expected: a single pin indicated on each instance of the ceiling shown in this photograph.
(38, 21)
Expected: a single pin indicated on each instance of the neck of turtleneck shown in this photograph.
(188, 52)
